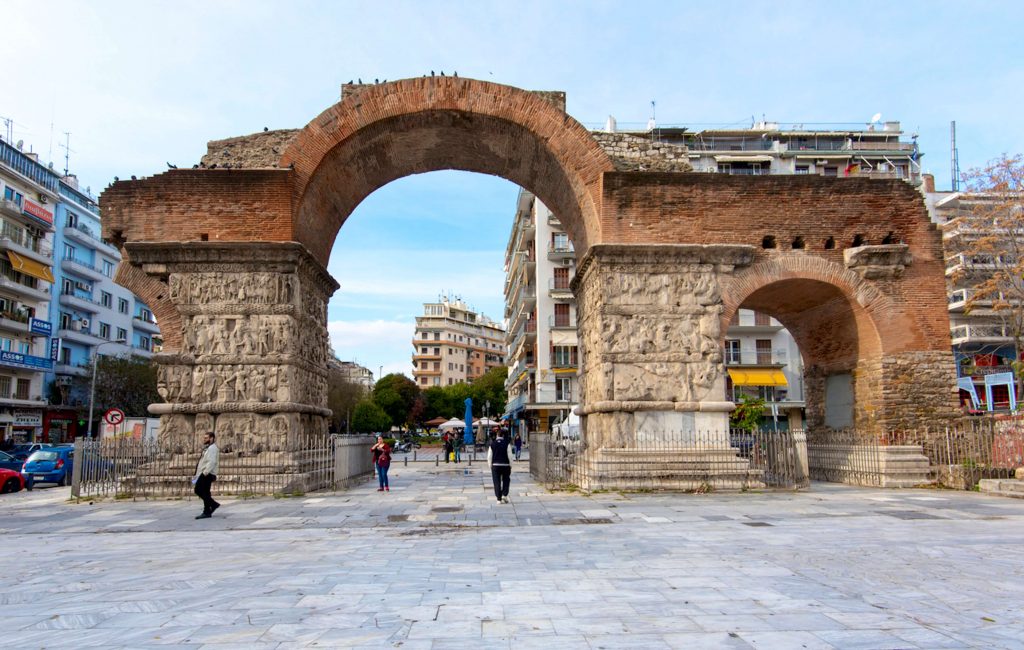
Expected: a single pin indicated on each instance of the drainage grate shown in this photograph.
(447, 509)
(757, 524)
(398, 517)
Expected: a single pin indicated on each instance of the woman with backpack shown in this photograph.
(382, 461)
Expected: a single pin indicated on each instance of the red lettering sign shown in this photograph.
(37, 211)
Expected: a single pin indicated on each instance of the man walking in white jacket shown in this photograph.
(206, 474)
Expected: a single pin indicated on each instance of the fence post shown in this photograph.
(76, 468)
(803, 471)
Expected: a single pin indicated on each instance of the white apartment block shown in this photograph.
(543, 348)
(454, 344)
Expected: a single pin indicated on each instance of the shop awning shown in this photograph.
(731, 158)
(757, 377)
(30, 267)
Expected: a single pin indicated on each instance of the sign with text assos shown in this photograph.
(43, 327)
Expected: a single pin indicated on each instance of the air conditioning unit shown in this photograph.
(84, 324)
(63, 380)
(567, 261)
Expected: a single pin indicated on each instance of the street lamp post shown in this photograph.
(92, 385)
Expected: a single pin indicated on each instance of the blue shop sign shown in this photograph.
(55, 346)
(25, 361)
(40, 327)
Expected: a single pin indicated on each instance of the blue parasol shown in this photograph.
(467, 435)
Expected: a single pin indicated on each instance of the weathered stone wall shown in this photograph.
(255, 151)
(632, 153)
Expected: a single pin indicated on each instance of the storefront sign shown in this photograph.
(28, 418)
(25, 361)
(37, 211)
(55, 345)
(40, 327)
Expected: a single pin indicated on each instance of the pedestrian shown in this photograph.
(457, 449)
(501, 467)
(448, 447)
(517, 444)
(382, 459)
(206, 474)
(375, 450)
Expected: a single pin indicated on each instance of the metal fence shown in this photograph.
(698, 461)
(130, 468)
(964, 456)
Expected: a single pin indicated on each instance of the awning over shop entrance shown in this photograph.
(757, 377)
(30, 267)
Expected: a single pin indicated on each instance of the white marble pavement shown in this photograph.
(436, 563)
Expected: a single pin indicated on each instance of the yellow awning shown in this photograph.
(757, 377)
(30, 267)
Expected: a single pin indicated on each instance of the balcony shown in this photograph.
(8, 283)
(145, 324)
(67, 369)
(527, 333)
(31, 249)
(81, 303)
(963, 262)
(28, 168)
(562, 321)
(559, 251)
(84, 236)
(559, 289)
(426, 357)
(83, 336)
(82, 269)
(993, 333)
(14, 321)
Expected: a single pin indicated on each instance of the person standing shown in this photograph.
(375, 450)
(517, 444)
(448, 447)
(382, 452)
(501, 466)
(206, 474)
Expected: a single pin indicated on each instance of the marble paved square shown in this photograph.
(436, 563)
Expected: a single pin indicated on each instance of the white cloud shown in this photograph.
(374, 343)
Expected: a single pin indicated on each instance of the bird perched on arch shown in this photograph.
(265, 129)
(170, 166)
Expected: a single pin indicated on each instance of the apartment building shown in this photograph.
(540, 308)
(454, 344)
(91, 313)
(876, 149)
(982, 339)
(30, 190)
(352, 372)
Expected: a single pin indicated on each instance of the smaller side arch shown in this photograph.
(156, 295)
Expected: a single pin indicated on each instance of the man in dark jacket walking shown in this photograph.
(501, 467)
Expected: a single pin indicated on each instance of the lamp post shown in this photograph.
(380, 373)
(92, 386)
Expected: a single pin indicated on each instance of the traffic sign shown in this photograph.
(114, 417)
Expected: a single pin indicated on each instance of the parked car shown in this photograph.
(23, 450)
(8, 461)
(55, 464)
(11, 481)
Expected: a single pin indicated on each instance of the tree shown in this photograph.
(396, 394)
(747, 414)
(370, 418)
(990, 224)
(127, 382)
(342, 397)
(490, 388)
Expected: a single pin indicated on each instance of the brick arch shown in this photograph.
(156, 296)
(832, 312)
(380, 133)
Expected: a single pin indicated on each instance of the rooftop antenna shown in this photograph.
(67, 151)
(954, 158)
(651, 123)
(8, 128)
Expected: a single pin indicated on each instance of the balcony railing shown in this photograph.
(557, 250)
(28, 243)
(27, 167)
(963, 333)
(978, 261)
(561, 320)
(559, 284)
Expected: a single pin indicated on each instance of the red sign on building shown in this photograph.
(37, 211)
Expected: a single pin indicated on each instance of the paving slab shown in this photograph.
(436, 563)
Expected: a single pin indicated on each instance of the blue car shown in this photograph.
(8, 461)
(51, 465)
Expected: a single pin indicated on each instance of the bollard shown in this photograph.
(414, 455)
(406, 461)
(437, 461)
(471, 460)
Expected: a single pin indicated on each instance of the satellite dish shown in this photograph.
(877, 117)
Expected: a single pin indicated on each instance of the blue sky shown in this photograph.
(138, 84)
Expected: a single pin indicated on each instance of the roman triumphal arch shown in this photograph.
(232, 255)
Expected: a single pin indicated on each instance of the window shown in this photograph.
(65, 320)
(21, 392)
(144, 342)
(830, 171)
(437, 365)
(5, 344)
(65, 356)
(450, 364)
(122, 333)
(561, 278)
(802, 169)
(104, 331)
(560, 242)
(732, 351)
(24, 348)
(764, 351)
(106, 299)
(561, 315)
(563, 356)
(762, 320)
(122, 305)
(72, 220)
(437, 351)
(108, 269)
(11, 195)
(69, 252)
(563, 389)
(5, 387)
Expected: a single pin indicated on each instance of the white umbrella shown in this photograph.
(454, 423)
(487, 422)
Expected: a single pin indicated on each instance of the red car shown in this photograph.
(11, 481)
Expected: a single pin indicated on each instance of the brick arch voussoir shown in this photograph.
(154, 293)
(859, 292)
(571, 145)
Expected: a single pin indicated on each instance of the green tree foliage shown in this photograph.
(397, 395)
(450, 401)
(342, 397)
(370, 418)
(747, 415)
(490, 388)
(126, 382)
